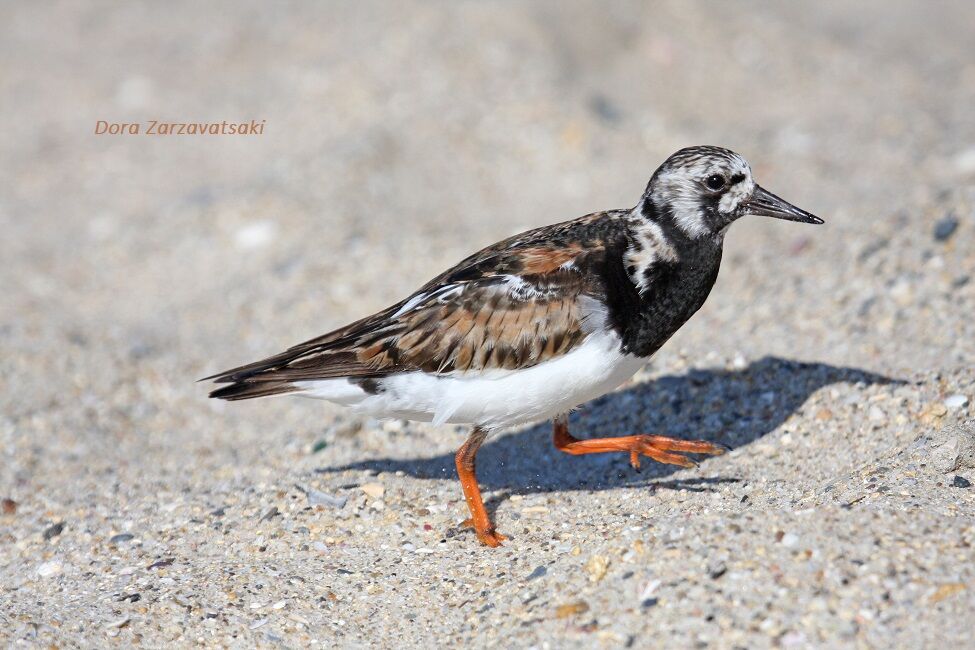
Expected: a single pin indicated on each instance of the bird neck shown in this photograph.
(662, 224)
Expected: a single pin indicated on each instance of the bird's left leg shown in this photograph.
(472, 493)
(659, 448)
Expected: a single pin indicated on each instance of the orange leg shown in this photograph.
(472, 493)
(659, 448)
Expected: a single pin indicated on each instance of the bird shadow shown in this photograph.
(731, 407)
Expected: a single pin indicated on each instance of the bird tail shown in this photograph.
(251, 389)
(278, 374)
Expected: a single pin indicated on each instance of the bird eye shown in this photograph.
(714, 181)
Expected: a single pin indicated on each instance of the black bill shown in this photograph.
(765, 204)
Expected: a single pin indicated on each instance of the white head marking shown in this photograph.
(680, 187)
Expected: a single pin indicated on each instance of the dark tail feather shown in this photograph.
(244, 372)
(249, 390)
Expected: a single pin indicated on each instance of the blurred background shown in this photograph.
(399, 138)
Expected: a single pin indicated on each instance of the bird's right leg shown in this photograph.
(472, 493)
(659, 448)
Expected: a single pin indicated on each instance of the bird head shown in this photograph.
(702, 190)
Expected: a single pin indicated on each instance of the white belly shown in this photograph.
(492, 399)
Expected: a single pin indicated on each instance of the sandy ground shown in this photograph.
(837, 362)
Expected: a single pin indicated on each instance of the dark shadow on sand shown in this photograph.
(732, 407)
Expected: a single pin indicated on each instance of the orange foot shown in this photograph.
(489, 537)
(660, 449)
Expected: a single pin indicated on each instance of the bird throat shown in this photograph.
(670, 276)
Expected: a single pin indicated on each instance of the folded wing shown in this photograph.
(501, 309)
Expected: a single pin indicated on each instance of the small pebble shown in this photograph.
(965, 161)
(935, 411)
(537, 573)
(9, 506)
(945, 228)
(947, 591)
(961, 482)
(54, 530)
(318, 498)
(255, 235)
(49, 569)
(793, 640)
(790, 540)
(956, 402)
(596, 567)
(571, 609)
(121, 538)
(717, 569)
(649, 591)
(318, 446)
(374, 490)
(604, 108)
(902, 292)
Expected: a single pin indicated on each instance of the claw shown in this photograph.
(491, 538)
(635, 460)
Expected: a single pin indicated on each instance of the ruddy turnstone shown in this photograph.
(533, 326)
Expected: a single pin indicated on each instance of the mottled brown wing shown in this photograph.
(515, 304)
(486, 324)
(501, 322)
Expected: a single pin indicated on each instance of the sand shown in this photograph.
(836, 362)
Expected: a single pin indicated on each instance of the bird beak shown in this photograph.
(765, 204)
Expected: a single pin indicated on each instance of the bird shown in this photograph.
(529, 328)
